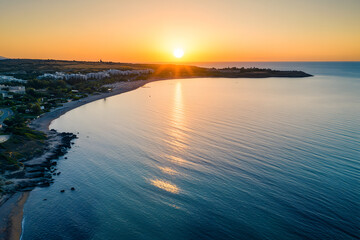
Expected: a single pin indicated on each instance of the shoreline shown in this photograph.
(12, 205)
(11, 216)
(44, 121)
(11, 221)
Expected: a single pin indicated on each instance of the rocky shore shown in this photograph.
(39, 170)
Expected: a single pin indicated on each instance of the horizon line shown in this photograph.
(175, 62)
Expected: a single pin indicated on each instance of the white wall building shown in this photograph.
(94, 75)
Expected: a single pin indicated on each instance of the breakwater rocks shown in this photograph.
(39, 171)
(63, 147)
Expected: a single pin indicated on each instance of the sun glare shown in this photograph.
(178, 52)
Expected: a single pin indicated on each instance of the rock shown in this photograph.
(8, 182)
(40, 174)
(16, 174)
(47, 175)
(34, 175)
(44, 199)
(44, 184)
(72, 189)
(35, 169)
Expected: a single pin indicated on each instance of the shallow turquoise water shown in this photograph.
(269, 158)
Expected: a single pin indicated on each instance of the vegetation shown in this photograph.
(22, 146)
(30, 69)
(24, 143)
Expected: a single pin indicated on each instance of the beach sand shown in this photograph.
(11, 215)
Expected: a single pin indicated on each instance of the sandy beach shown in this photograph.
(11, 215)
(43, 122)
(11, 206)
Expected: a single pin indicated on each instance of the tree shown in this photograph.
(14, 122)
(35, 108)
(31, 92)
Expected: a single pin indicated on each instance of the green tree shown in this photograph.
(35, 108)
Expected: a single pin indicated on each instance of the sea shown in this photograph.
(211, 158)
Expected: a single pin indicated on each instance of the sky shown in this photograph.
(207, 30)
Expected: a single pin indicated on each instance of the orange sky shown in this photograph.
(149, 30)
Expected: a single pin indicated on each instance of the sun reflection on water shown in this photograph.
(164, 185)
(168, 170)
(176, 142)
(176, 130)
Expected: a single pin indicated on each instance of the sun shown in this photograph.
(178, 52)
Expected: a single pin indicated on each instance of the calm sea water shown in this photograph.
(341, 69)
(246, 159)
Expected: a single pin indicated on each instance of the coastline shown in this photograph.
(11, 205)
(11, 215)
(44, 121)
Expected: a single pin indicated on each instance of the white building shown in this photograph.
(95, 75)
(4, 78)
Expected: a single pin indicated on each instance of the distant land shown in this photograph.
(2, 58)
(28, 69)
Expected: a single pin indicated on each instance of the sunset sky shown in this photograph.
(207, 30)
